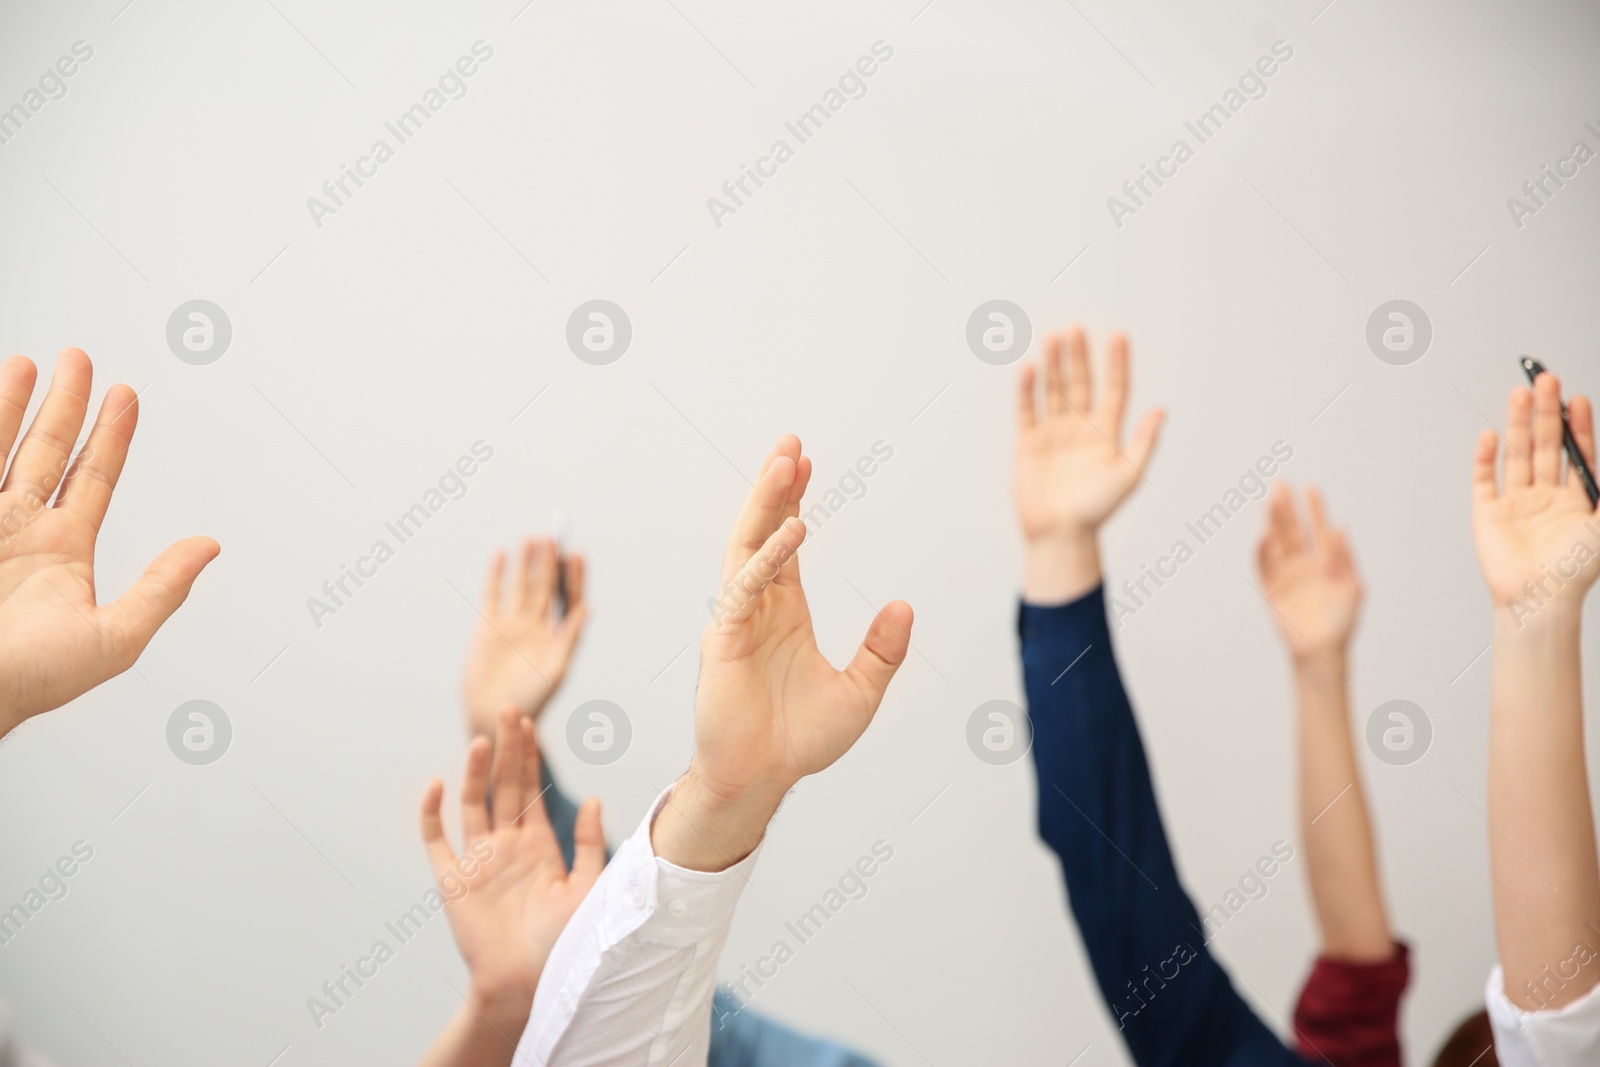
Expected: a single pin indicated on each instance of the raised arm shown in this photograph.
(1309, 578)
(1097, 807)
(524, 641)
(507, 895)
(636, 968)
(57, 641)
(1539, 546)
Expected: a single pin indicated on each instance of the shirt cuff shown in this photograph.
(1569, 1036)
(1081, 618)
(674, 905)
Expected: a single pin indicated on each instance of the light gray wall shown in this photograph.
(370, 352)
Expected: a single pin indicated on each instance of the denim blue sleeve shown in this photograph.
(739, 1037)
(1171, 1000)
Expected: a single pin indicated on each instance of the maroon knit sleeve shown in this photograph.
(1349, 1012)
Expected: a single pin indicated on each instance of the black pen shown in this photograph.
(1533, 368)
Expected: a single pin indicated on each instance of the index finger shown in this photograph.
(87, 488)
(764, 506)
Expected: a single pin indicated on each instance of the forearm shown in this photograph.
(480, 1035)
(1341, 856)
(1542, 844)
(1098, 813)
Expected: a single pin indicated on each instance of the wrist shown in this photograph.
(1528, 618)
(1060, 568)
(706, 826)
(505, 1005)
(1317, 664)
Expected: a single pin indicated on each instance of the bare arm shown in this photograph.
(769, 709)
(508, 895)
(1310, 580)
(1541, 845)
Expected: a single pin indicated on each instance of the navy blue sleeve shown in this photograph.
(1170, 998)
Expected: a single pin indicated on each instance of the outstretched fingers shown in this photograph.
(1483, 460)
(1548, 437)
(87, 488)
(1580, 416)
(441, 857)
(474, 787)
(1320, 531)
(1055, 392)
(42, 457)
(882, 652)
(541, 579)
(1079, 384)
(1027, 412)
(507, 771)
(1519, 439)
(589, 844)
(790, 571)
(17, 378)
(743, 596)
(1285, 521)
(534, 818)
(1112, 404)
(763, 509)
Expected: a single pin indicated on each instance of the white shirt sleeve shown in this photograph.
(1569, 1037)
(631, 978)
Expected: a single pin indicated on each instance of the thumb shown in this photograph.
(881, 653)
(589, 844)
(135, 616)
(1145, 437)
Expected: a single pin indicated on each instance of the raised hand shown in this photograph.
(1309, 578)
(509, 894)
(520, 650)
(1539, 547)
(1072, 465)
(770, 708)
(1533, 525)
(56, 641)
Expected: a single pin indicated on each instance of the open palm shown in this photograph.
(1536, 522)
(520, 650)
(1309, 577)
(509, 895)
(1072, 466)
(770, 708)
(56, 641)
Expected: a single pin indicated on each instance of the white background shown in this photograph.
(370, 353)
